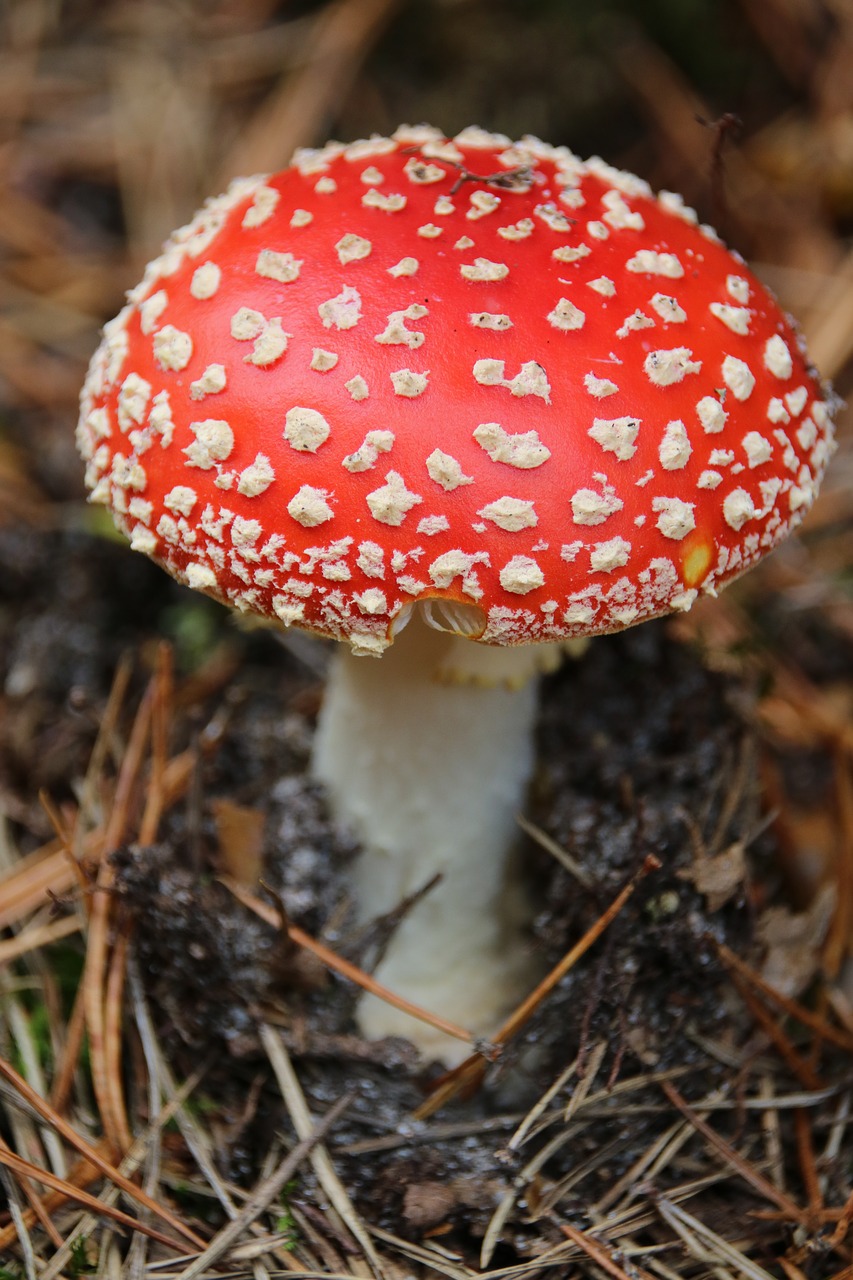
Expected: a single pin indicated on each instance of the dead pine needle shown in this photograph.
(469, 1073)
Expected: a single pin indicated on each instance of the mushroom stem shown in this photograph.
(429, 775)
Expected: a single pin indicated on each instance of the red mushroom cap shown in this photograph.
(471, 370)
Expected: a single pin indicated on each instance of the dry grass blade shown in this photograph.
(37, 936)
(94, 1157)
(265, 1192)
(25, 1169)
(706, 1245)
(793, 1008)
(598, 1254)
(303, 1125)
(747, 1171)
(296, 113)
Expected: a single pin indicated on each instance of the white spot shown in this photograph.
(405, 267)
(806, 434)
(796, 400)
(738, 377)
(675, 448)
(675, 518)
(711, 414)
(269, 346)
(396, 333)
(173, 348)
(738, 507)
(524, 450)
(482, 203)
(566, 316)
(483, 269)
(757, 449)
(777, 357)
(151, 310)
(601, 388)
(489, 373)
(322, 361)
(668, 308)
(357, 387)
(603, 285)
(408, 383)
(301, 218)
(430, 525)
(446, 471)
(181, 499)
(616, 435)
(256, 478)
(619, 215)
(517, 230)
(211, 382)
(571, 253)
(160, 418)
(391, 503)
(429, 231)
(531, 380)
(464, 242)
(143, 540)
(282, 267)
(244, 535)
(352, 248)
(367, 454)
(554, 218)
(721, 457)
(735, 318)
(521, 575)
(371, 176)
(213, 443)
(457, 564)
(609, 555)
(738, 289)
(635, 321)
(371, 559)
(140, 509)
(511, 514)
(651, 263)
(288, 611)
(489, 320)
(263, 206)
(597, 230)
(200, 577)
(133, 400)
(667, 367)
(206, 280)
(342, 311)
(776, 410)
(709, 480)
(247, 324)
(325, 186)
(391, 203)
(591, 508)
(423, 174)
(309, 507)
(371, 601)
(305, 429)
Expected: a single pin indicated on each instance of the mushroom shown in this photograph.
(453, 403)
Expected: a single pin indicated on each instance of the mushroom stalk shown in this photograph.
(430, 775)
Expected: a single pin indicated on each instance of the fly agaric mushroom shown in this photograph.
(486, 389)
